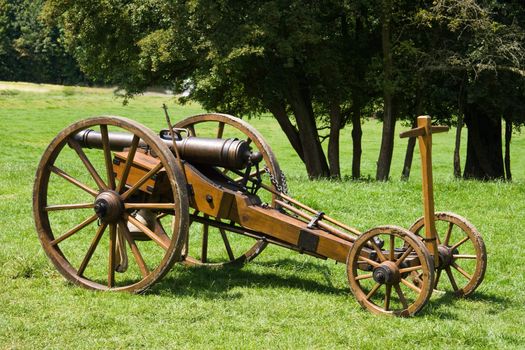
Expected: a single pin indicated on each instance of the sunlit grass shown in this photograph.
(280, 300)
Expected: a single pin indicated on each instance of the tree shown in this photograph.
(287, 57)
(482, 46)
(31, 51)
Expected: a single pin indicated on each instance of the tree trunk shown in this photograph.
(457, 147)
(409, 154)
(484, 158)
(508, 135)
(389, 123)
(333, 141)
(314, 158)
(357, 133)
(279, 112)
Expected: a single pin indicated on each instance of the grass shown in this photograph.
(280, 300)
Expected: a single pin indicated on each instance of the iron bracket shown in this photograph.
(307, 241)
(315, 219)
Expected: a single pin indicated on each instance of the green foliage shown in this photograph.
(305, 60)
(30, 50)
(480, 46)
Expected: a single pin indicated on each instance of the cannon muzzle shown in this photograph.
(229, 153)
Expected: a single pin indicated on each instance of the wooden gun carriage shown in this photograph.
(209, 192)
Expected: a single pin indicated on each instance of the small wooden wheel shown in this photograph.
(83, 213)
(209, 245)
(378, 264)
(462, 253)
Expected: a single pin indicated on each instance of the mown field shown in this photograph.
(280, 300)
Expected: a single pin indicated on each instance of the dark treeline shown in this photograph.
(32, 51)
(316, 66)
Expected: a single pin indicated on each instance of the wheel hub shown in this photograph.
(386, 273)
(446, 256)
(109, 206)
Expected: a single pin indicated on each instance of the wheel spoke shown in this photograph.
(464, 256)
(91, 169)
(392, 246)
(411, 286)
(191, 128)
(220, 130)
(129, 163)
(363, 277)
(252, 174)
(74, 181)
(227, 244)
(91, 249)
(449, 232)
(69, 206)
(459, 243)
(204, 250)
(451, 278)
(159, 230)
(438, 275)
(74, 230)
(369, 261)
(418, 278)
(401, 296)
(149, 205)
(123, 227)
(160, 240)
(121, 257)
(186, 247)
(107, 156)
(141, 181)
(161, 215)
(373, 291)
(410, 269)
(387, 296)
(461, 271)
(404, 256)
(111, 258)
(378, 250)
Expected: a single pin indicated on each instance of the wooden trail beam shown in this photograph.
(424, 133)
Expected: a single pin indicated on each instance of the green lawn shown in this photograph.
(280, 300)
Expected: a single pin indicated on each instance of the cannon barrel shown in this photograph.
(229, 153)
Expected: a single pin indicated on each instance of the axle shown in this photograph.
(228, 153)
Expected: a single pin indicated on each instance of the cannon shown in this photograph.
(116, 206)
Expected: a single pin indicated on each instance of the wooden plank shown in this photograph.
(425, 149)
(438, 128)
(142, 164)
(288, 229)
(419, 131)
(209, 198)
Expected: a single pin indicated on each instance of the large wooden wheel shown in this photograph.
(207, 244)
(462, 254)
(379, 281)
(83, 214)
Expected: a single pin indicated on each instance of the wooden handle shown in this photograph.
(436, 129)
(421, 131)
(413, 132)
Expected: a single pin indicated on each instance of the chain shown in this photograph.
(280, 188)
(284, 183)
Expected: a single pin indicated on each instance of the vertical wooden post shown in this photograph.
(425, 149)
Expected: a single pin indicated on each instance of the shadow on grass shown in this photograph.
(444, 304)
(210, 283)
